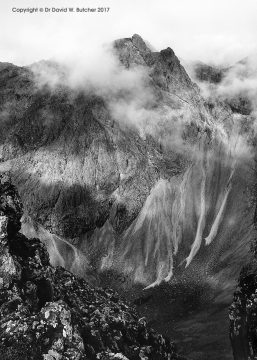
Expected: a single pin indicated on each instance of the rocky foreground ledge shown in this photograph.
(47, 313)
(243, 314)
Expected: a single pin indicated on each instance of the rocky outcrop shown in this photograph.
(240, 104)
(242, 314)
(210, 74)
(47, 313)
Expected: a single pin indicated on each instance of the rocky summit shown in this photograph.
(47, 313)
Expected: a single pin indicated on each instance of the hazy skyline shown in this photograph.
(207, 30)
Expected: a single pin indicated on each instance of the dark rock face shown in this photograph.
(240, 104)
(211, 74)
(47, 313)
(243, 315)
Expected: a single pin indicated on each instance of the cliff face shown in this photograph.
(48, 313)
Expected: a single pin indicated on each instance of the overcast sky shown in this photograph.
(208, 30)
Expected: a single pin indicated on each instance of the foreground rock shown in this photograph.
(47, 313)
(243, 315)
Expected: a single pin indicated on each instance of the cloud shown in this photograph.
(127, 92)
(241, 80)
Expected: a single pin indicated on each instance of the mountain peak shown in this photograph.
(139, 43)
